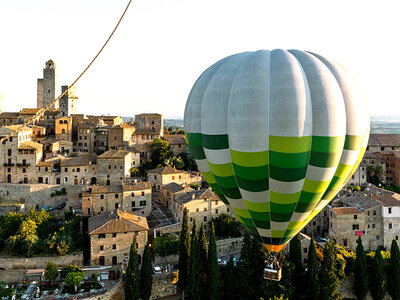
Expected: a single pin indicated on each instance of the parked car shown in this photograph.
(221, 262)
(61, 206)
(157, 270)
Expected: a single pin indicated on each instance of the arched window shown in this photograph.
(63, 130)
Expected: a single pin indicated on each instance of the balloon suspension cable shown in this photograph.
(40, 113)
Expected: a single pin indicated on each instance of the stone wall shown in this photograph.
(164, 285)
(115, 293)
(39, 261)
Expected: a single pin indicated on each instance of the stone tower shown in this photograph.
(47, 86)
(68, 101)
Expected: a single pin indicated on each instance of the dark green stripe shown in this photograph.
(353, 142)
(196, 152)
(276, 241)
(215, 142)
(215, 188)
(282, 208)
(288, 160)
(231, 193)
(307, 201)
(194, 139)
(288, 175)
(262, 224)
(253, 185)
(228, 182)
(260, 216)
(222, 197)
(280, 217)
(251, 173)
(285, 240)
(258, 238)
(324, 160)
(326, 144)
(267, 240)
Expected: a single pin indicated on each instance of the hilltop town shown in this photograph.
(99, 181)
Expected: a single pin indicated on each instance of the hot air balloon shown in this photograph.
(276, 134)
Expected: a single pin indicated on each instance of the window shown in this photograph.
(331, 224)
(143, 203)
(116, 205)
(356, 226)
(101, 247)
(305, 250)
(109, 167)
(216, 210)
(377, 237)
(9, 152)
(314, 223)
(102, 236)
(368, 225)
(373, 225)
(173, 177)
(191, 219)
(389, 210)
(397, 237)
(345, 243)
(205, 208)
(101, 208)
(114, 247)
(23, 170)
(331, 214)
(116, 196)
(374, 212)
(205, 219)
(197, 210)
(355, 217)
(65, 169)
(368, 213)
(78, 169)
(142, 193)
(101, 196)
(390, 226)
(114, 235)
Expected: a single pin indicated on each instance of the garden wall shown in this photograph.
(39, 262)
(164, 285)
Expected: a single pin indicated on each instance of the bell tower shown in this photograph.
(47, 86)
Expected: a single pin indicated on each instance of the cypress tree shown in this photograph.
(246, 248)
(146, 274)
(360, 272)
(184, 252)
(131, 286)
(329, 278)
(203, 259)
(295, 258)
(194, 289)
(213, 282)
(378, 282)
(393, 280)
(230, 288)
(312, 272)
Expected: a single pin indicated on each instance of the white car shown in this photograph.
(221, 262)
(157, 270)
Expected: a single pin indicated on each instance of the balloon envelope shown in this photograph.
(276, 134)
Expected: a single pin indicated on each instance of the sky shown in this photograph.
(162, 46)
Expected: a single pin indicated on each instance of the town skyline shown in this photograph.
(148, 65)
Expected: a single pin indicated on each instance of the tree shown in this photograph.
(213, 282)
(378, 281)
(146, 274)
(131, 286)
(312, 272)
(246, 247)
(160, 152)
(184, 252)
(195, 282)
(329, 277)
(230, 280)
(188, 161)
(393, 280)
(295, 258)
(74, 278)
(203, 258)
(68, 269)
(50, 272)
(360, 272)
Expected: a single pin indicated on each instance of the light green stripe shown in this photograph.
(286, 144)
(244, 213)
(284, 198)
(257, 206)
(277, 233)
(209, 177)
(342, 170)
(295, 225)
(222, 170)
(313, 186)
(250, 159)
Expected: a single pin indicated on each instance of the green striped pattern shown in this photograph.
(274, 154)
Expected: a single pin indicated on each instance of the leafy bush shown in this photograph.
(166, 245)
(226, 226)
(69, 269)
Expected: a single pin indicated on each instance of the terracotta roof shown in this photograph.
(194, 195)
(174, 187)
(149, 114)
(175, 139)
(384, 140)
(30, 145)
(387, 200)
(346, 210)
(75, 161)
(9, 115)
(102, 189)
(114, 154)
(29, 111)
(165, 170)
(117, 221)
(148, 131)
(137, 186)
